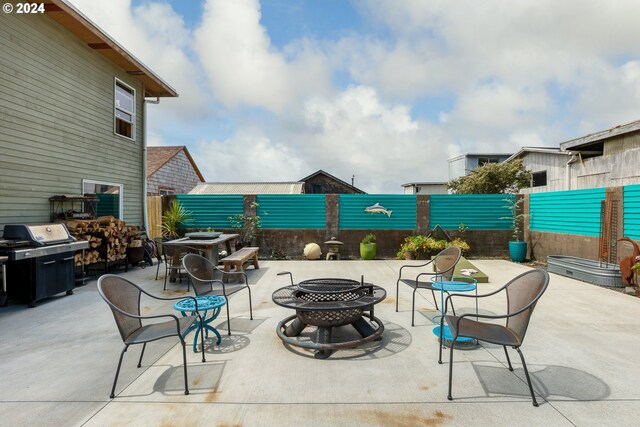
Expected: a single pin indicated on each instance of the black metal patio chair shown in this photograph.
(443, 265)
(123, 297)
(522, 293)
(202, 273)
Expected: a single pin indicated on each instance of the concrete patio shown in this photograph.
(57, 362)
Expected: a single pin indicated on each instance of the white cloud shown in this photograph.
(352, 133)
(522, 73)
(157, 36)
(244, 69)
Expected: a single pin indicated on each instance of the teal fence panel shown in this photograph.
(108, 204)
(476, 211)
(632, 211)
(292, 210)
(211, 210)
(569, 212)
(353, 215)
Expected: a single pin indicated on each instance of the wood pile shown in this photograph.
(108, 239)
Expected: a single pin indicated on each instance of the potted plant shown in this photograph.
(172, 218)
(246, 226)
(517, 248)
(408, 248)
(368, 247)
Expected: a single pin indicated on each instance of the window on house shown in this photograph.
(109, 197)
(166, 191)
(484, 160)
(316, 188)
(125, 110)
(539, 179)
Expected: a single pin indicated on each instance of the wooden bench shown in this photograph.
(239, 258)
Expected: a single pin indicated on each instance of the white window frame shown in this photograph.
(117, 82)
(111, 184)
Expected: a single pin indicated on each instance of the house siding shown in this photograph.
(554, 164)
(57, 121)
(177, 174)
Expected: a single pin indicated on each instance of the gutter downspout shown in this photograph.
(145, 215)
(567, 171)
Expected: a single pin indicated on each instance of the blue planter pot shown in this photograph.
(518, 251)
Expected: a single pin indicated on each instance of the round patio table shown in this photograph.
(456, 284)
(211, 305)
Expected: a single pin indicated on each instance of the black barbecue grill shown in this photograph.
(40, 261)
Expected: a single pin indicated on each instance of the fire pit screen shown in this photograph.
(328, 303)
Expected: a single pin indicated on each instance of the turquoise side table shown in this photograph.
(209, 307)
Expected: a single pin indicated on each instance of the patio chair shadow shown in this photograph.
(395, 339)
(550, 381)
(203, 378)
(241, 325)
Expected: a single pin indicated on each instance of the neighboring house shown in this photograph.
(71, 115)
(321, 182)
(463, 164)
(608, 158)
(248, 188)
(171, 170)
(549, 166)
(425, 188)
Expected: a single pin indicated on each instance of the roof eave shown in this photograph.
(95, 38)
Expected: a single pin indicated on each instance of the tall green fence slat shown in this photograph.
(211, 210)
(476, 211)
(632, 211)
(569, 212)
(292, 210)
(353, 216)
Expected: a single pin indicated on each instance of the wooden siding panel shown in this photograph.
(56, 121)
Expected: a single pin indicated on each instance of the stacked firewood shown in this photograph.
(108, 239)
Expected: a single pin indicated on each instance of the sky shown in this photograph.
(385, 91)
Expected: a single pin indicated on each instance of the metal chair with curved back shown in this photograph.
(123, 297)
(202, 273)
(522, 293)
(443, 265)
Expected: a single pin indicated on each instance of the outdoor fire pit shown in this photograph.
(328, 303)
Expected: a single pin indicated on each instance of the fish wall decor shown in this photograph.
(377, 208)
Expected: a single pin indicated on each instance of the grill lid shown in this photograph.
(40, 235)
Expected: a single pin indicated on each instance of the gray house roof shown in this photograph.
(248, 188)
(598, 136)
(546, 150)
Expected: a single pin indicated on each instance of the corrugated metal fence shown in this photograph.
(632, 211)
(292, 210)
(354, 217)
(211, 210)
(476, 211)
(570, 212)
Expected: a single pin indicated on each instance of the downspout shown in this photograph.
(145, 215)
(567, 172)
